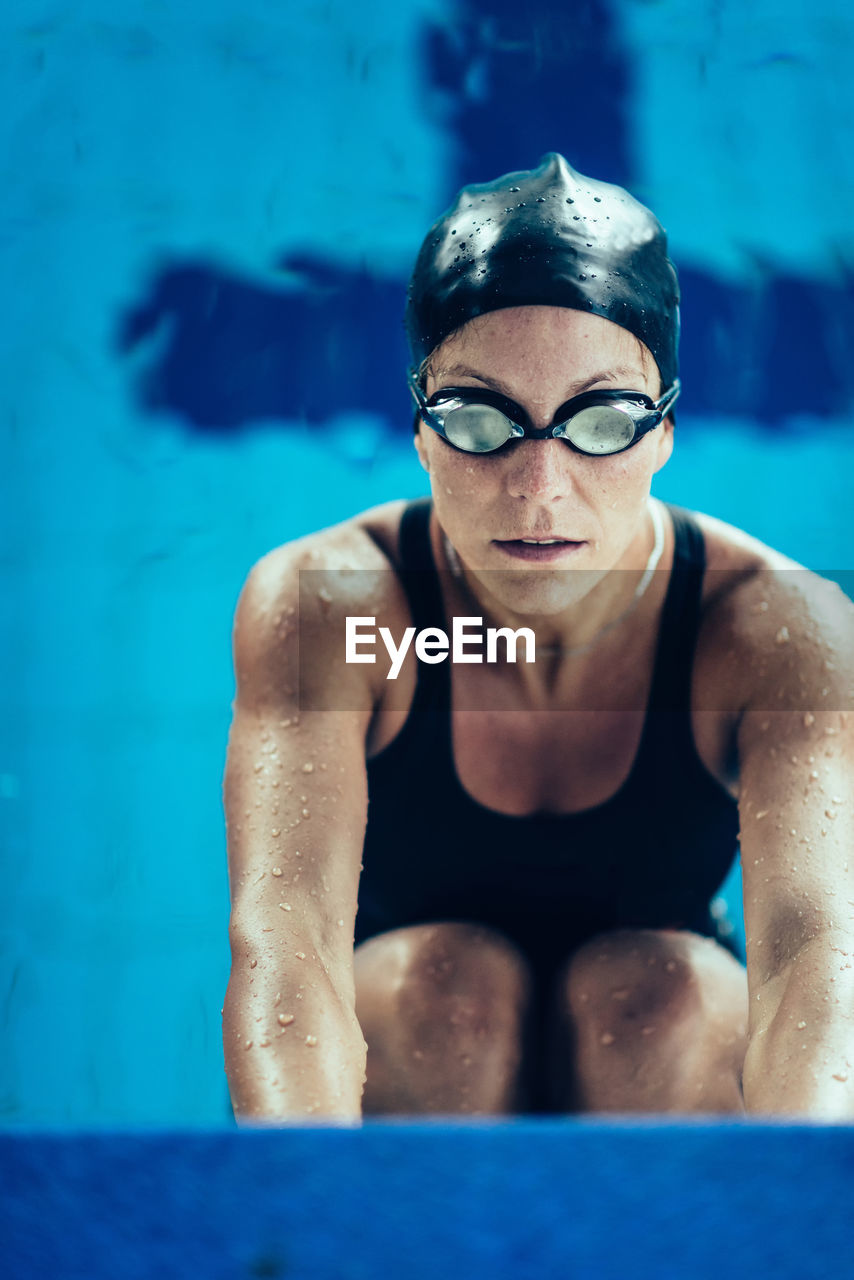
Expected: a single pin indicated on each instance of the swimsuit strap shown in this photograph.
(680, 619)
(420, 579)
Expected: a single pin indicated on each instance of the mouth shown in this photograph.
(539, 550)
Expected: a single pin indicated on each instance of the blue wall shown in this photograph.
(207, 218)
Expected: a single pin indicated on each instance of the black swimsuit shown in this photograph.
(654, 855)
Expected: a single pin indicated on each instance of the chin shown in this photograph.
(538, 593)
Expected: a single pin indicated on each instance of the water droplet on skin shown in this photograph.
(277, 999)
(801, 1026)
(300, 955)
(265, 1043)
(306, 813)
(311, 1041)
(763, 813)
(277, 871)
(830, 813)
(340, 924)
(607, 1038)
(308, 767)
(275, 832)
(782, 636)
(841, 1078)
(253, 964)
(285, 906)
(248, 1044)
(285, 1019)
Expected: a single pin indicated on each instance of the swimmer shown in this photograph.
(485, 887)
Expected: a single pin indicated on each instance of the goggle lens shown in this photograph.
(601, 429)
(477, 428)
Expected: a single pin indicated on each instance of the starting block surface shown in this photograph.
(572, 1199)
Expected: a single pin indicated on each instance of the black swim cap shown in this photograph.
(546, 236)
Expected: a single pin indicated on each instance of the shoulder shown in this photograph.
(769, 620)
(300, 593)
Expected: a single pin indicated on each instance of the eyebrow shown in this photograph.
(604, 375)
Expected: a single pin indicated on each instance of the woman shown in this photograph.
(533, 845)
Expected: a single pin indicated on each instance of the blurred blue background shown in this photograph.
(207, 219)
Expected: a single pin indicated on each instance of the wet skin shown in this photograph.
(643, 1020)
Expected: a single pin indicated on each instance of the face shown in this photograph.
(489, 504)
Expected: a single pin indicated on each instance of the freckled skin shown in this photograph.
(434, 1018)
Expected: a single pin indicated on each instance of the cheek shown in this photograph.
(625, 478)
(461, 478)
(608, 483)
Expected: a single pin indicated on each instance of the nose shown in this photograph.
(540, 470)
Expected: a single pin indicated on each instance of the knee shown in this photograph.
(640, 980)
(462, 976)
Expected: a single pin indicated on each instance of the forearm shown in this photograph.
(800, 1060)
(292, 1051)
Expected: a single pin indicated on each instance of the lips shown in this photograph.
(539, 550)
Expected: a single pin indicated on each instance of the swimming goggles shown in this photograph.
(597, 423)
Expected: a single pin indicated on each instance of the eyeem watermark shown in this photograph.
(432, 643)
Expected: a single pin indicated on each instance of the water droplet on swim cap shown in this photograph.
(526, 258)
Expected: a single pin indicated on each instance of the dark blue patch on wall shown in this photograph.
(514, 81)
(770, 352)
(236, 353)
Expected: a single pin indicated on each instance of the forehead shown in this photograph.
(537, 342)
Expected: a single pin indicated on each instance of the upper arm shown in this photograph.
(796, 767)
(295, 788)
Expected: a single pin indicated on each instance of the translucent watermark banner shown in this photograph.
(577, 640)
